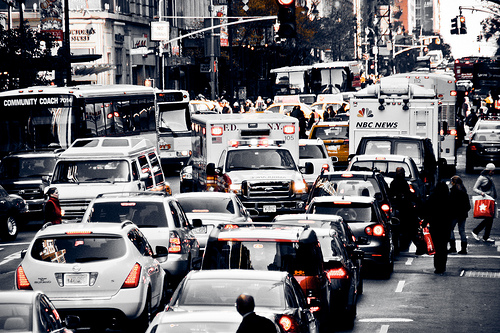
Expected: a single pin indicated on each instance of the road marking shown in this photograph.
(385, 320)
(13, 256)
(384, 329)
(409, 261)
(400, 286)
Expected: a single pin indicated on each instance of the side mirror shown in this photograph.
(253, 211)
(161, 253)
(23, 253)
(197, 223)
(309, 168)
(211, 169)
(334, 159)
(46, 180)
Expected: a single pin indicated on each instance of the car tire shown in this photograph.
(9, 228)
(141, 323)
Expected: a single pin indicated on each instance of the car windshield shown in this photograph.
(207, 205)
(342, 186)
(260, 159)
(144, 214)
(199, 326)
(293, 257)
(387, 168)
(15, 317)
(352, 212)
(88, 171)
(17, 167)
(330, 132)
(78, 249)
(223, 292)
(311, 151)
(487, 137)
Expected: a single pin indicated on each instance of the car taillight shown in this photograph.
(472, 147)
(175, 243)
(22, 280)
(386, 208)
(288, 324)
(412, 190)
(133, 277)
(325, 167)
(337, 273)
(375, 230)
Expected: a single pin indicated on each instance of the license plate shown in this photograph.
(269, 209)
(81, 279)
(200, 230)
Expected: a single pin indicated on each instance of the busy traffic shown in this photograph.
(367, 215)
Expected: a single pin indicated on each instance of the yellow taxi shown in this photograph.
(335, 135)
(286, 108)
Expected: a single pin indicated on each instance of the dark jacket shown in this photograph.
(53, 211)
(459, 199)
(252, 323)
(437, 211)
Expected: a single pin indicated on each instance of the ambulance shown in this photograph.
(253, 155)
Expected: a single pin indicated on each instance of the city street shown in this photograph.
(414, 299)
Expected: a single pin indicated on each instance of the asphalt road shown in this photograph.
(414, 300)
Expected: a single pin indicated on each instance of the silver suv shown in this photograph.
(160, 218)
(105, 273)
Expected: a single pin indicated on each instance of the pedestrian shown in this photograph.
(329, 113)
(471, 119)
(252, 322)
(299, 114)
(437, 210)
(485, 186)
(52, 208)
(466, 107)
(460, 199)
(404, 202)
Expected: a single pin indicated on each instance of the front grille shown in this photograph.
(74, 209)
(267, 189)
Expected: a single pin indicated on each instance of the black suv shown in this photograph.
(271, 247)
(418, 148)
(26, 174)
(12, 210)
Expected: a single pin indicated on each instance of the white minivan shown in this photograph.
(101, 165)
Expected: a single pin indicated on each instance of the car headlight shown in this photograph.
(300, 187)
(236, 188)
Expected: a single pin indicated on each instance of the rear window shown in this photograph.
(330, 133)
(207, 205)
(293, 257)
(143, 214)
(78, 249)
(224, 292)
(341, 186)
(387, 168)
(378, 147)
(311, 151)
(487, 137)
(353, 212)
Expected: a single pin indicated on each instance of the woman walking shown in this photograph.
(460, 200)
(485, 186)
(52, 209)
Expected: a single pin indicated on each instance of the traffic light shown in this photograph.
(462, 29)
(286, 19)
(454, 26)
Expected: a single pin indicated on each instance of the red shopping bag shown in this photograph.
(426, 235)
(484, 208)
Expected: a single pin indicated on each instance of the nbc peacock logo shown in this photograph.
(365, 112)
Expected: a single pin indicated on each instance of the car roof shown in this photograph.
(386, 157)
(34, 154)
(394, 136)
(136, 196)
(236, 274)
(315, 142)
(18, 296)
(354, 173)
(345, 199)
(204, 195)
(94, 228)
(264, 232)
(303, 218)
(331, 124)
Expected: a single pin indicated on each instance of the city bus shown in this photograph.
(174, 128)
(45, 117)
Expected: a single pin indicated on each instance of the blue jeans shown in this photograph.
(461, 229)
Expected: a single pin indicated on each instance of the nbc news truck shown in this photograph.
(253, 155)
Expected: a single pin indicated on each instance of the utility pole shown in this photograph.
(66, 44)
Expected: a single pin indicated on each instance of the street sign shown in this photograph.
(204, 68)
(160, 30)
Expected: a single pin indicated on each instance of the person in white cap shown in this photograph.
(485, 186)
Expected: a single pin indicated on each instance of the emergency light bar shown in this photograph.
(256, 143)
(218, 131)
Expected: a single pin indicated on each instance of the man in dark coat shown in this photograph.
(252, 322)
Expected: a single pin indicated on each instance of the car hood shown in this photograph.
(262, 175)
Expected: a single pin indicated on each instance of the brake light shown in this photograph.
(453, 93)
(289, 129)
(288, 324)
(386, 208)
(412, 190)
(231, 226)
(22, 280)
(453, 132)
(377, 230)
(133, 277)
(175, 243)
(347, 175)
(216, 131)
(473, 147)
(325, 167)
(337, 273)
(78, 232)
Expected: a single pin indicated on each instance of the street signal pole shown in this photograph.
(286, 19)
(454, 26)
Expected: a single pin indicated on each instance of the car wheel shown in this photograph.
(142, 322)
(9, 228)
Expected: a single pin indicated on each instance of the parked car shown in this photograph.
(335, 135)
(343, 267)
(31, 311)
(267, 246)
(370, 227)
(277, 296)
(483, 148)
(387, 165)
(13, 208)
(27, 174)
(313, 151)
(105, 273)
(160, 218)
(212, 208)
